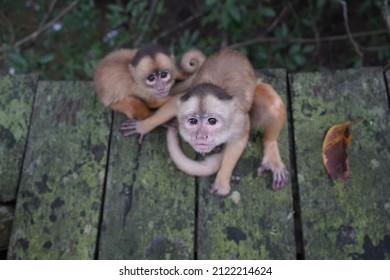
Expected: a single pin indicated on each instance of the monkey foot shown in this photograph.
(129, 128)
(279, 175)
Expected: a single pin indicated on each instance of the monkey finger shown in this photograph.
(279, 179)
(129, 124)
(217, 189)
(260, 171)
(128, 132)
(141, 139)
(214, 189)
(129, 128)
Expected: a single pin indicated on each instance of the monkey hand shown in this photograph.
(279, 174)
(220, 188)
(131, 127)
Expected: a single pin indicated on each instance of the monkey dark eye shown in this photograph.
(212, 121)
(193, 121)
(151, 78)
(163, 75)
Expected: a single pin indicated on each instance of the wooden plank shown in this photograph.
(387, 77)
(253, 222)
(60, 196)
(149, 205)
(16, 102)
(7, 214)
(341, 223)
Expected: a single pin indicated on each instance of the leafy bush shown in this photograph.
(297, 35)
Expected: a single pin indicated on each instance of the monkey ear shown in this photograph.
(133, 72)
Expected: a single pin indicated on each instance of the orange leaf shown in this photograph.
(334, 151)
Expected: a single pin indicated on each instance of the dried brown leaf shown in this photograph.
(334, 151)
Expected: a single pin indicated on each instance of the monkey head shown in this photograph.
(205, 117)
(153, 68)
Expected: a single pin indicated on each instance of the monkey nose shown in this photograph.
(202, 136)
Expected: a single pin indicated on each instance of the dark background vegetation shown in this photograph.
(65, 39)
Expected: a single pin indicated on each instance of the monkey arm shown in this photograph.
(161, 116)
(231, 155)
(132, 107)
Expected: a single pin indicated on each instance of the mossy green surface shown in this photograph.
(149, 208)
(253, 222)
(16, 103)
(387, 77)
(7, 214)
(350, 221)
(60, 195)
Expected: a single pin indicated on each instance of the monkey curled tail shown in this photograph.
(190, 64)
(268, 111)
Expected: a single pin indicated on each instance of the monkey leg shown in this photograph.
(268, 110)
(132, 107)
(231, 154)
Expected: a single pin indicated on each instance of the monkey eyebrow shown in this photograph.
(202, 115)
(207, 115)
(162, 71)
(203, 89)
(150, 50)
(193, 115)
(157, 72)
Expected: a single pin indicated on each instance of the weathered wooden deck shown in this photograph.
(83, 191)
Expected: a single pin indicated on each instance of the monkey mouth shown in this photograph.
(202, 147)
(161, 93)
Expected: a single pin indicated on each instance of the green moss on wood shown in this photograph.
(149, 205)
(60, 195)
(339, 223)
(253, 222)
(16, 103)
(7, 214)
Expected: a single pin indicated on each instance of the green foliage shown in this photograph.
(274, 34)
(131, 22)
(187, 40)
(68, 50)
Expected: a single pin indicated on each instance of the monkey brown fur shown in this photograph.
(135, 82)
(269, 111)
